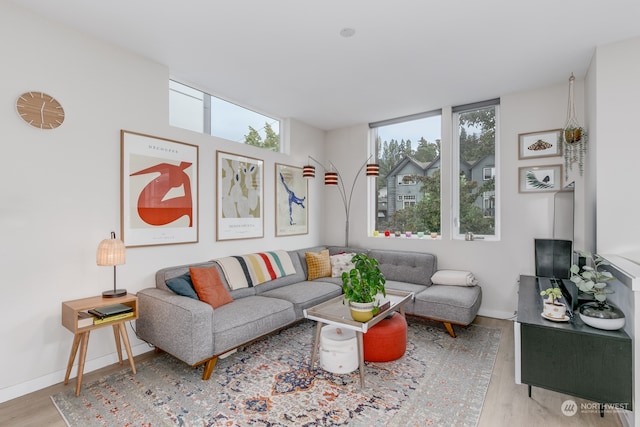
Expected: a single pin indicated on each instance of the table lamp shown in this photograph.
(111, 252)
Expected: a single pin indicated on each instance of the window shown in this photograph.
(198, 111)
(488, 173)
(489, 204)
(475, 163)
(407, 201)
(408, 188)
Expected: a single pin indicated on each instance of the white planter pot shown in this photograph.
(361, 311)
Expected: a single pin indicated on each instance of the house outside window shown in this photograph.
(198, 111)
(408, 152)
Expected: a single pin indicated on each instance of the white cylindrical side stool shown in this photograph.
(338, 350)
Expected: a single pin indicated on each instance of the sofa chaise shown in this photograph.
(197, 333)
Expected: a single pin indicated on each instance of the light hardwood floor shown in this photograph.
(506, 403)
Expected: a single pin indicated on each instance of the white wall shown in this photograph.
(616, 68)
(497, 264)
(614, 84)
(60, 190)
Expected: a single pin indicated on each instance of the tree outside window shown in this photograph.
(477, 148)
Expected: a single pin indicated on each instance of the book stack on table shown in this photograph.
(110, 313)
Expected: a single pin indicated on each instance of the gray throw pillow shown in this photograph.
(182, 285)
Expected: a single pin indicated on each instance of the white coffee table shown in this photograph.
(335, 312)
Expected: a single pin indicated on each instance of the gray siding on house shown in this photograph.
(408, 166)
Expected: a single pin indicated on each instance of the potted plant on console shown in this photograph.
(592, 280)
(553, 310)
(361, 285)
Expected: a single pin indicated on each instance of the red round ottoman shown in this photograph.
(387, 340)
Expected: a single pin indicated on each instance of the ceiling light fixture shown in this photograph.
(347, 32)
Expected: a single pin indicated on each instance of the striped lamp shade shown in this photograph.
(373, 169)
(308, 171)
(331, 178)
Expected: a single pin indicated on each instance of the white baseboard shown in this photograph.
(57, 377)
(497, 314)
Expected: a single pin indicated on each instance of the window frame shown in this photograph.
(208, 120)
(372, 187)
(456, 170)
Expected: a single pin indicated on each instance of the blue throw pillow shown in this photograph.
(182, 285)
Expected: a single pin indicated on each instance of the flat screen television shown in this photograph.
(553, 258)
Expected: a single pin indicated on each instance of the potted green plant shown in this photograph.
(592, 280)
(573, 134)
(575, 146)
(552, 309)
(552, 294)
(361, 285)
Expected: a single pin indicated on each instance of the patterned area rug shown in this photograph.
(439, 381)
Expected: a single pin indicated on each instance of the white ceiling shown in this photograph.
(286, 58)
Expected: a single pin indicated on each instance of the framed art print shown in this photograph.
(534, 145)
(159, 190)
(291, 201)
(240, 197)
(537, 179)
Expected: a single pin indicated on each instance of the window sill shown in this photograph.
(405, 237)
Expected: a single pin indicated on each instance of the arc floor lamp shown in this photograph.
(333, 177)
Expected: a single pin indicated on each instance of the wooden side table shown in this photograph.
(70, 310)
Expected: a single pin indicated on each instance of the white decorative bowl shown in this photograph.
(607, 317)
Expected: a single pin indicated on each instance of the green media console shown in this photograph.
(570, 357)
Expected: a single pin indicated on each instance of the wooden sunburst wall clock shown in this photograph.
(40, 110)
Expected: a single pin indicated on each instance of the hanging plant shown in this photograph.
(574, 137)
(575, 148)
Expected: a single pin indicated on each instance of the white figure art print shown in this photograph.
(291, 201)
(239, 197)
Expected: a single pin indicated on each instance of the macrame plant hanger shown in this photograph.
(574, 136)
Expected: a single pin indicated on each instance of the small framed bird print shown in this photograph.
(538, 179)
(534, 145)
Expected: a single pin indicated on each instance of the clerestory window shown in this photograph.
(199, 111)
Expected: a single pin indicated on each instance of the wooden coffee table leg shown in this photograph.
(360, 357)
(314, 353)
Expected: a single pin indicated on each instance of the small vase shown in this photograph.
(555, 310)
(602, 315)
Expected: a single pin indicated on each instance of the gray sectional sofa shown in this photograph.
(196, 333)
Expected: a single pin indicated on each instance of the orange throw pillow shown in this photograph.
(209, 287)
